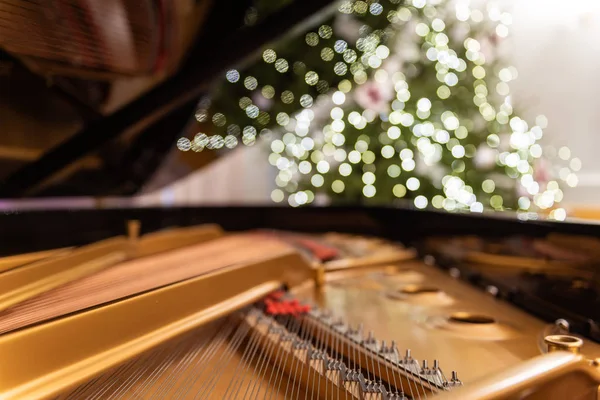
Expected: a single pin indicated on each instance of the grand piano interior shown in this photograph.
(108, 302)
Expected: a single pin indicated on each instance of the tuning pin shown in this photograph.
(407, 356)
(358, 334)
(370, 338)
(454, 381)
(315, 354)
(393, 347)
(436, 365)
(425, 367)
(383, 348)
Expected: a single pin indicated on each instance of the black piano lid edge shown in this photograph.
(33, 230)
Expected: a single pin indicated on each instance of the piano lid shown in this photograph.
(96, 93)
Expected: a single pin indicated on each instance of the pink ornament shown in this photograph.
(374, 96)
(261, 102)
(489, 47)
(522, 191)
(541, 172)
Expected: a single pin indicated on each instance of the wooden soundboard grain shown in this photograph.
(137, 276)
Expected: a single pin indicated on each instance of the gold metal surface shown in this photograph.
(390, 257)
(157, 379)
(521, 263)
(568, 343)
(133, 229)
(470, 318)
(559, 375)
(473, 349)
(170, 239)
(10, 262)
(319, 276)
(22, 283)
(43, 360)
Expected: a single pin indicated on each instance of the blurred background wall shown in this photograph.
(556, 49)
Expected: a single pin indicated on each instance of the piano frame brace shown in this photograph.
(47, 359)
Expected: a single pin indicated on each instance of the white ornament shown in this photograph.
(485, 158)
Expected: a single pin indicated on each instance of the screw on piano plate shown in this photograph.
(429, 259)
(454, 272)
(493, 290)
(562, 324)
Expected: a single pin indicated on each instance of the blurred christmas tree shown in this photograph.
(387, 101)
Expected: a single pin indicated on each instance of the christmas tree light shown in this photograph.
(388, 101)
